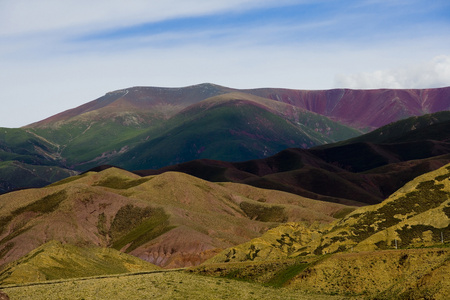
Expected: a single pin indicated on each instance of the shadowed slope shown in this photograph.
(360, 172)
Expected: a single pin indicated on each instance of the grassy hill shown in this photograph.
(171, 220)
(393, 250)
(156, 285)
(55, 260)
(397, 249)
(417, 215)
(426, 127)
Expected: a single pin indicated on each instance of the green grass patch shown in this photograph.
(427, 195)
(44, 205)
(264, 213)
(47, 204)
(119, 183)
(284, 276)
(136, 226)
(6, 249)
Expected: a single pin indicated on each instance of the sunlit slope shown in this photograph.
(416, 215)
(384, 274)
(170, 220)
(55, 260)
(364, 108)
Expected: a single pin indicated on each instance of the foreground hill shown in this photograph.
(171, 220)
(385, 274)
(54, 260)
(393, 250)
(416, 215)
(383, 251)
(157, 285)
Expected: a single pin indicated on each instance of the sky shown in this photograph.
(56, 55)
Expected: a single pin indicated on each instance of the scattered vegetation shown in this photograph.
(121, 183)
(136, 226)
(68, 180)
(263, 212)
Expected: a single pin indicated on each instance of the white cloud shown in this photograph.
(434, 73)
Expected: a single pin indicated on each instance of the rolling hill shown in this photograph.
(417, 215)
(55, 260)
(393, 250)
(171, 220)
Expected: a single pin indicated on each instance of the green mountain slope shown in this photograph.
(429, 126)
(231, 127)
(141, 128)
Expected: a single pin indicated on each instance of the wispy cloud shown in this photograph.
(55, 54)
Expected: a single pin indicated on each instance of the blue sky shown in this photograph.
(55, 55)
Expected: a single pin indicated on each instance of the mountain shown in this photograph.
(171, 220)
(170, 129)
(232, 127)
(153, 127)
(357, 108)
(55, 260)
(353, 172)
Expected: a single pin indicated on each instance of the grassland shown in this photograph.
(155, 285)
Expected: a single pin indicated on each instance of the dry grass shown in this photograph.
(156, 285)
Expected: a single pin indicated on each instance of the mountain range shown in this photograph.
(151, 127)
(324, 192)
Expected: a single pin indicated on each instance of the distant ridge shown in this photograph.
(363, 109)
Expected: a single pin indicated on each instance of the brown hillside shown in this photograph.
(171, 220)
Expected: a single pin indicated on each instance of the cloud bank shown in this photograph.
(431, 74)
